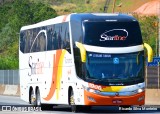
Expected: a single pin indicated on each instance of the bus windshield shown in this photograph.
(115, 67)
(112, 34)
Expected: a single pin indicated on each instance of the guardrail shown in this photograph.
(9, 77)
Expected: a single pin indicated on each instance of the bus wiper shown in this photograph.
(97, 80)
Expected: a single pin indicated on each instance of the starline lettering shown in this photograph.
(107, 35)
(35, 67)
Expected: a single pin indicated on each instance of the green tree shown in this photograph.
(12, 17)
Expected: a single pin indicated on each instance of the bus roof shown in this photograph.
(82, 17)
(101, 17)
(55, 20)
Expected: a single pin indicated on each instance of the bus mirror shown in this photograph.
(149, 52)
(82, 51)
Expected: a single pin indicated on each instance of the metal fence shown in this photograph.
(9, 77)
(152, 77)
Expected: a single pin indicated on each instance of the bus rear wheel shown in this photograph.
(38, 99)
(32, 98)
(39, 104)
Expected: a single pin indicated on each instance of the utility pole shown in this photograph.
(114, 3)
(2, 2)
(106, 5)
(158, 41)
(159, 28)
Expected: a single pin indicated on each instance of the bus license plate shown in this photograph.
(117, 101)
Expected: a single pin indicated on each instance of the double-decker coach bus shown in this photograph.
(86, 59)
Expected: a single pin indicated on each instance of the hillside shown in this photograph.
(127, 5)
(74, 6)
(149, 8)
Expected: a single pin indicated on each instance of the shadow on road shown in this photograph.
(108, 109)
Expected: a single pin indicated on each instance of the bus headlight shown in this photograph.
(140, 90)
(91, 90)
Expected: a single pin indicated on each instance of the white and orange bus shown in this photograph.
(87, 59)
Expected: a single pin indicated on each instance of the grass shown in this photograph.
(97, 6)
(127, 5)
(79, 7)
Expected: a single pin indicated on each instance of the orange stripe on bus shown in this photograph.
(54, 75)
(59, 75)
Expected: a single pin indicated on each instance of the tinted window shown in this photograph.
(112, 66)
(39, 44)
(112, 34)
(117, 68)
(58, 36)
(22, 41)
(77, 37)
(51, 37)
(76, 32)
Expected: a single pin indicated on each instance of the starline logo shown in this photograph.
(119, 35)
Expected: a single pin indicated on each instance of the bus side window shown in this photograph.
(78, 63)
(49, 38)
(58, 37)
(28, 40)
(66, 37)
(67, 42)
(39, 44)
(22, 41)
(42, 42)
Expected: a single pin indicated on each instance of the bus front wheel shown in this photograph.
(74, 108)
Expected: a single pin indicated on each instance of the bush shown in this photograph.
(149, 29)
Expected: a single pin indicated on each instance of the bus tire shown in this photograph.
(74, 108)
(32, 98)
(39, 104)
(30, 91)
(38, 98)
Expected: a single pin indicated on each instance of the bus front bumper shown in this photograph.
(96, 99)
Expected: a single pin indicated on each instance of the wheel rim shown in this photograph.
(72, 99)
(72, 102)
(32, 98)
(38, 99)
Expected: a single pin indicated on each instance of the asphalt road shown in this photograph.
(14, 105)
